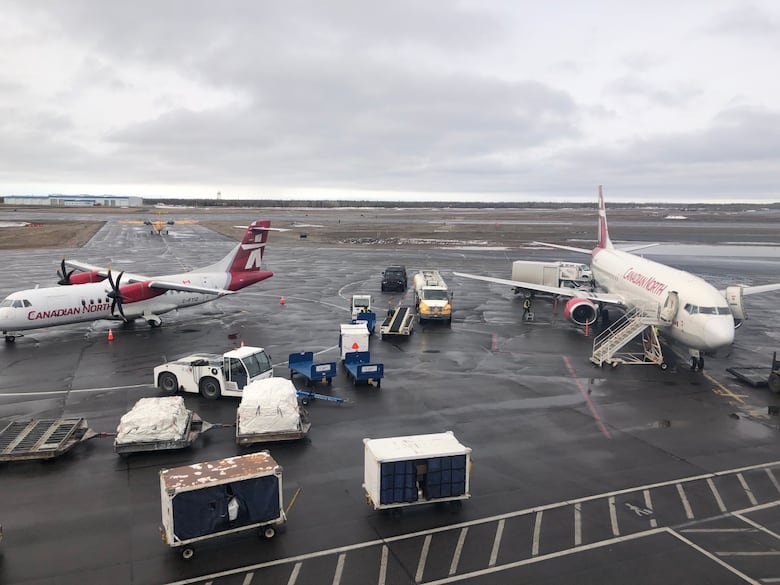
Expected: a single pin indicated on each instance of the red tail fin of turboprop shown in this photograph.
(604, 241)
(245, 268)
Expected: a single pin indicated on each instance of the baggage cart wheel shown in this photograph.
(268, 532)
(664, 366)
(187, 552)
(774, 382)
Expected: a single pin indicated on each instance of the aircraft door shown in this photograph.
(734, 296)
(237, 372)
(669, 310)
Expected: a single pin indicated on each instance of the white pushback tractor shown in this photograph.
(214, 375)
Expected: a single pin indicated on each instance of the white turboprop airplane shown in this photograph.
(96, 295)
(690, 310)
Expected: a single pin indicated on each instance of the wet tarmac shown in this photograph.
(580, 475)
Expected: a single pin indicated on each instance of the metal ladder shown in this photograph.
(638, 320)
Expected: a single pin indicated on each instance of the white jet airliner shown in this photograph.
(690, 310)
(96, 295)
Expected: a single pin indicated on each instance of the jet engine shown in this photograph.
(580, 311)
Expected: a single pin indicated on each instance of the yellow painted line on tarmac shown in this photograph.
(721, 390)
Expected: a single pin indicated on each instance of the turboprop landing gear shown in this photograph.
(153, 321)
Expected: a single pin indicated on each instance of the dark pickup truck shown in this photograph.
(394, 278)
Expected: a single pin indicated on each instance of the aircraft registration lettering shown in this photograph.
(64, 312)
(648, 283)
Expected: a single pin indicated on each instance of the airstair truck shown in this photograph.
(214, 375)
(432, 297)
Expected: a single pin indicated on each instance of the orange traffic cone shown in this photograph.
(281, 300)
(110, 335)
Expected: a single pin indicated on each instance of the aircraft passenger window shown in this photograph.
(91, 301)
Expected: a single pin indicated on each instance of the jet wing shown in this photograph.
(554, 290)
(569, 248)
(189, 288)
(754, 290)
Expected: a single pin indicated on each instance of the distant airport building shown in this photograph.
(74, 200)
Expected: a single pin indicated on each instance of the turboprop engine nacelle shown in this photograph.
(580, 311)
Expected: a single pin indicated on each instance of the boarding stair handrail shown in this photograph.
(622, 331)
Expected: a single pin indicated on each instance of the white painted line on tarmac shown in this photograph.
(383, 566)
(537, 532)
(747, 489)
(773, 479)
(718, 499)
(577, 524)
(294, 575)
(758, 526)
(712, 557)
(458, 551)
(649, 506)
(760, 553)
(75, 391)
(717, 530)
(684, 499)
(496, 543)
(339, 569)
(423, 558)
(613, 516)
(248, 579)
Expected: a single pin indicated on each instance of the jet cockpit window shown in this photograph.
(6, 303)
(27, 303)
(18, 304)
(695, 309)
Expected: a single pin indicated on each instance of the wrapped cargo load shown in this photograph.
(154, 419)
(269, 411)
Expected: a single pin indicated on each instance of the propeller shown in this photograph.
(115, 295)
(64, 274)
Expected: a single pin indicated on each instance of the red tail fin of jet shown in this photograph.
(604, 241)
(245, 267)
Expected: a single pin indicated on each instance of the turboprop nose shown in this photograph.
(718, 333)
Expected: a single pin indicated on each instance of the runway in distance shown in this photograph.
(158, 225)
(95, 294)
(690, 310)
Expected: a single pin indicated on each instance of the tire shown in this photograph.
(774, 382)
(168, 383)
(10, 338)
(664, 366)
(187, 552)
(269, 532)
(209, 388)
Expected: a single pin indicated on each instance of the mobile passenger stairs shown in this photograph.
(608, 346)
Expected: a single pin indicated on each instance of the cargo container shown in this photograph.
(211, 499)
(417, 469)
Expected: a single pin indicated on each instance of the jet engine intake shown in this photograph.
(580, 311)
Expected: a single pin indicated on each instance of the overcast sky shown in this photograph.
(398, 100)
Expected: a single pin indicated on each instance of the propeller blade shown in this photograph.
(64, 274)
(116, 295)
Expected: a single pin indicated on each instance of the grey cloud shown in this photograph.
(746, 21)
(631, 85)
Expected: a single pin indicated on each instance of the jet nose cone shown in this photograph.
(719, 332)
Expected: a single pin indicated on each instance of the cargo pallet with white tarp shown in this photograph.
(416, 469)
(269, 411)
(157, 424)
(220, 497)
